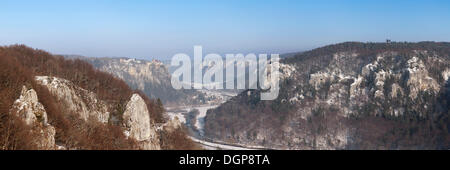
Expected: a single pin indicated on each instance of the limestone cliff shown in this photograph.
(76, 99)
(136, 118)
(349, 95)
(137, 123)
(33, 113)
(151, 77)
(49, 102)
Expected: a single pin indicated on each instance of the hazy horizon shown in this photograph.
(160, 29)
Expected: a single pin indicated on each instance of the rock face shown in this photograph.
(136, 117)
(334, 85)
(139, 73)
(29, 108)
(419, 78)
(151, 77)
(136, 120)
(76, 99)
(33, 114)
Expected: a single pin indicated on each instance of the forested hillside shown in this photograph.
(19, 66)
(348, 96)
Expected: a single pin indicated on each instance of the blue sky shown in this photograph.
(160, 29)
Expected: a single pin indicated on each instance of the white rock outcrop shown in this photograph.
(419, 78)
(76, 99)
(446, 74)
(136, 117)
(396, 90)
(320, 78)
(33, 113)
(28, 107)
(136, 120)
(137, 72)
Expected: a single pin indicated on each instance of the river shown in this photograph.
(197, 130)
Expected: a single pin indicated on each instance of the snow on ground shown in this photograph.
(212, 146)
(200, 123)
(181, 111)
(180, 116)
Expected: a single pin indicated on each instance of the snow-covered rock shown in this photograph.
(330, 87)
(419, 78)
(446, 74)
